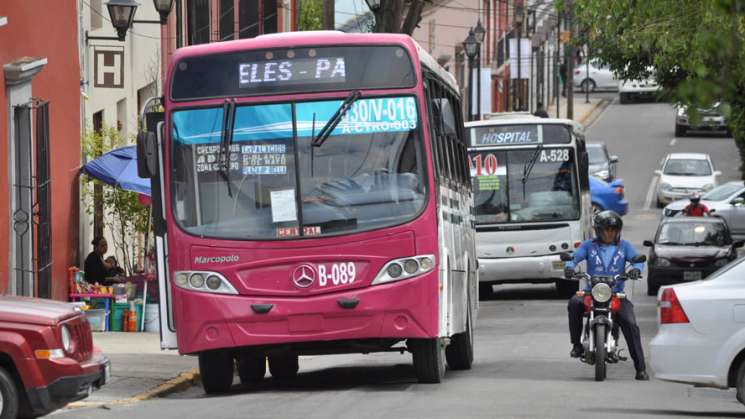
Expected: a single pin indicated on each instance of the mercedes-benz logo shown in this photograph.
(304, 275)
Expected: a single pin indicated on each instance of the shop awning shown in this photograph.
(119, 168)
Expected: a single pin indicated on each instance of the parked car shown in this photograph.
(608, 196)
(629, 90)
(600, 77)
(602, 165)
(683, 174)
(726, 201)
(709, 119)
(47, 357)
(688, 249)
(701, 332)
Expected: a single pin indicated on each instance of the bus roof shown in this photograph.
(527, 120)
(317, 38)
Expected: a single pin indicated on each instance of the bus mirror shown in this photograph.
(146, 154)
(566, 257)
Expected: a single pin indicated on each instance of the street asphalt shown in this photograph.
(522, 367)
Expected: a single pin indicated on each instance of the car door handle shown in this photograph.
(261, 308)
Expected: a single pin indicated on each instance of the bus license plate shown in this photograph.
(557, 264)
(691, 275)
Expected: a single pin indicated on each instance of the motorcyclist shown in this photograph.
(607, 254)
(695, 208)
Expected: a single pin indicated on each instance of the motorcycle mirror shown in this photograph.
(648, 243)
(639, 259)
(566, 257)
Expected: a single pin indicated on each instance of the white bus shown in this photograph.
(531, 198)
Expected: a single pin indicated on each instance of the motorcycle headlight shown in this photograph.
(666, 186)
(66, 338)
(662, 262)
(601, 292)
(721, 262)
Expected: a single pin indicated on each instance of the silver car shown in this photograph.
(726, 201)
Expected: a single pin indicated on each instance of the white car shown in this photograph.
(682, 174)
(726, 200)
(701, 331)
(600, 77)
(637, 89)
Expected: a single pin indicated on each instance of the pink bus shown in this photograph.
(311, 195)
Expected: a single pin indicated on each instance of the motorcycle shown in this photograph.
(601, 305)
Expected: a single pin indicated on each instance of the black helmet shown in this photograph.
(695, 197)
(605, 219)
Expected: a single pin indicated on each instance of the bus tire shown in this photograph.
(459, 354)
(8, 395)
(251, 367)
(216, 369)
(284, 366)
(429, 359)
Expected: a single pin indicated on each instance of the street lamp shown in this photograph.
(122, 13)
(471, 46)
(519, 17)
(479, 32)
(373, 4)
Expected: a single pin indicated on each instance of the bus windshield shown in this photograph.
(368, 174)
(503, 194)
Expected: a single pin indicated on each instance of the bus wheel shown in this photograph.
(251, 367)
(284, 366)
(459, 353)
(429, 359)
(216, 369)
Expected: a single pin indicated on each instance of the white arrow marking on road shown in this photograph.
(650, 193)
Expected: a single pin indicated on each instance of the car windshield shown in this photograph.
(722, 192)
(687, 167)
(596, 154)
(692, 233)
(549, 194)
(367, 174)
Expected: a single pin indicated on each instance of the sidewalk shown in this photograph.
(584, 113)
(139, 369)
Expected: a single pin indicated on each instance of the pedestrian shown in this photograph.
(563, 78)
(96, 268)
(539, 111)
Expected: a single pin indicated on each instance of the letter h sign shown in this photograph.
(108, 68)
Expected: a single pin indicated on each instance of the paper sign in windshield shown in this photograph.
(283, 206)
(264, 159)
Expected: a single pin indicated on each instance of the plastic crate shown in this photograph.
(97, 319)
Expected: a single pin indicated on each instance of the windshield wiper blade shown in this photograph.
(528, 168)
(226, 140)
(336, 118)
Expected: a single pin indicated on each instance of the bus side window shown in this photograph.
(583, 162)
(440, 139)
(432, 136)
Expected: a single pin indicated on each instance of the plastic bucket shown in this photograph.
(97, 319)
(152, 318)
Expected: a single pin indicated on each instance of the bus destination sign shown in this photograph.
(292, 71)
(505, 135)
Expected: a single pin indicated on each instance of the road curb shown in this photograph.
(179, 383)
(594, 111)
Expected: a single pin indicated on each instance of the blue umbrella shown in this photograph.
(119, 168)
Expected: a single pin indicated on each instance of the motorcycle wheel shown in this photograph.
(600, 352)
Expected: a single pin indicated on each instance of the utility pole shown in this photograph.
(570, 61)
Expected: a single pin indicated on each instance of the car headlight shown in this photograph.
(662, 262)
(721, 262)
(66, 338)
(603, 174)
(708, 187)
(398, 269)
(601, 292)
(666, 186)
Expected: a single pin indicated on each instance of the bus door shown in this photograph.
(150, 152)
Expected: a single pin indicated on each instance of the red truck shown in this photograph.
(47, 357)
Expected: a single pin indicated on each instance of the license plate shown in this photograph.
(691, 276)
(557, 264)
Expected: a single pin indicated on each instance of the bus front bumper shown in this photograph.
(536, 269)
(398, 310)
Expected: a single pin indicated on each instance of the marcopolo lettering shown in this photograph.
(216, 259)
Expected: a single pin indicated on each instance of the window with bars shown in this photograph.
(254, 17)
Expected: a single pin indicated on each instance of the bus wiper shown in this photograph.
(528, 168)
(226, 140)
(334, 121)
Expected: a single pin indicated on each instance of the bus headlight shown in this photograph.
(398, 269)
(601, 292)
(202, 281)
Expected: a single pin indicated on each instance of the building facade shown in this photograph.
(39, 145)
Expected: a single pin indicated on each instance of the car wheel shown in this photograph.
(587, 84)
(680, 130)
(741, 383)
(8, 395)
(485, 290)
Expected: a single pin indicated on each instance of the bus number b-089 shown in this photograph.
(336, 274)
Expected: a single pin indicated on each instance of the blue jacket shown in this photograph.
(589, 250)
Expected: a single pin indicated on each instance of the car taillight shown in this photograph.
(670, 309)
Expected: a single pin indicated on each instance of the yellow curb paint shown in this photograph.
(592, 111)
(185, 379)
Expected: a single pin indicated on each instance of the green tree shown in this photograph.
(124, 217)
(696, 48)
(310, 15)
(399, 16)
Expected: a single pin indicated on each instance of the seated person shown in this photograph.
(96, 269)
(115, 269)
